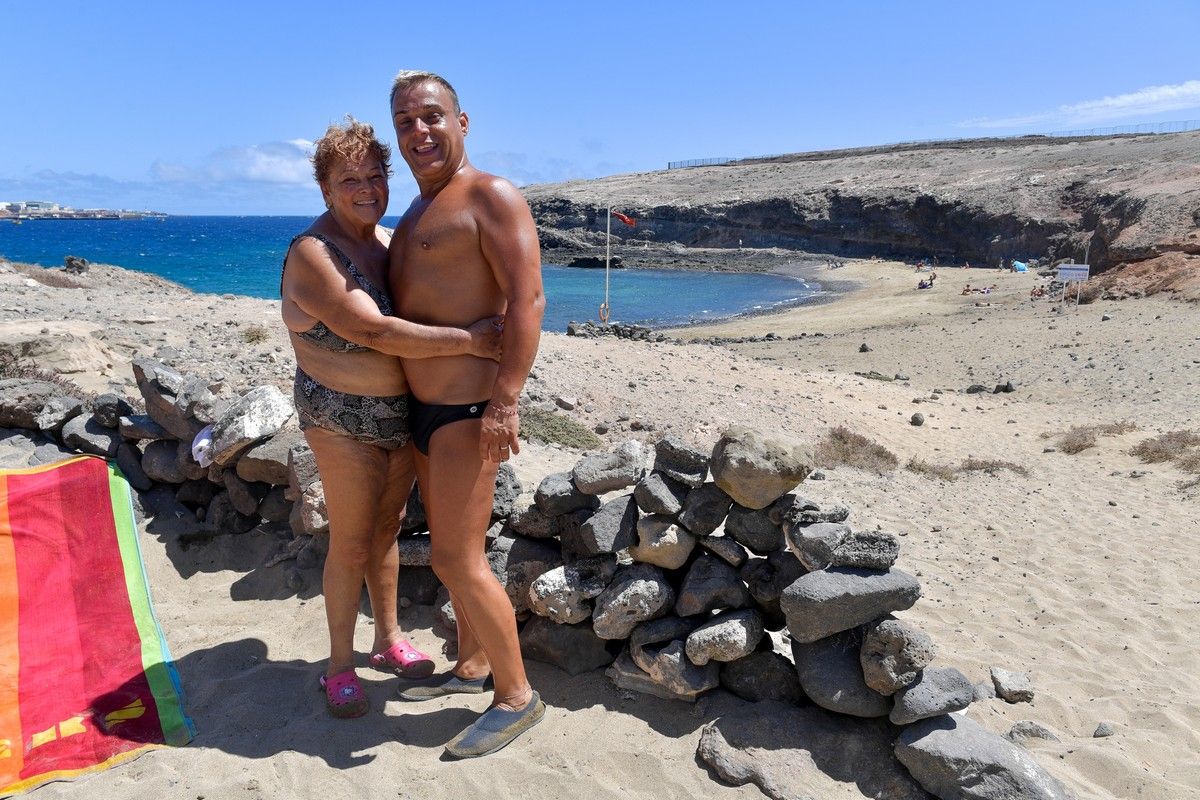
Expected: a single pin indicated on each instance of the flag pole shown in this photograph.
(607, 256)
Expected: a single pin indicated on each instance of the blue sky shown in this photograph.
(208, 108)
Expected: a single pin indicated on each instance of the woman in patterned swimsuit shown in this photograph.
(352, 398)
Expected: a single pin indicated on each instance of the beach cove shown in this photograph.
(1077, 572)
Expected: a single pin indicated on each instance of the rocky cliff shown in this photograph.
(1126, 198)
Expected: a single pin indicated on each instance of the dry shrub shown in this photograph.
(1189, 461)
(946, 472)
(1170, 446)
(992, 466)
(843, 446)
(1078, 439)
(254, 334)
(546, 426)
(943, 472)
(1081, 437)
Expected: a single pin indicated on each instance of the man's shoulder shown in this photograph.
(492, 191)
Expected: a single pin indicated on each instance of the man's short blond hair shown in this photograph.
(355, 142)
(411, 77)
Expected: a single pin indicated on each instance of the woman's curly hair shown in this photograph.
(354, 141)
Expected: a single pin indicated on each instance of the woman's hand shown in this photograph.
(486, 335)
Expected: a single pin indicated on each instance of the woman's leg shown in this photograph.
(383, 564)
(352, 474)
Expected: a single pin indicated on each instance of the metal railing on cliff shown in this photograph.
(1179, 126)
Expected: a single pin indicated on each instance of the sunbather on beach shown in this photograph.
(352, 397)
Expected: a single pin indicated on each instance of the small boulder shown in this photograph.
(84, 434)
(681, 462)
(1013, 687)
(607, 472)
(1027, 730)
(138, 427)
(575, 649)
(533, 522)
(727, 637)
(415, 550)
(507, 490)
(939, 690)
(638, 593)
(611, 528)
(660, 541)
(129, 461)
(563, 594)
(557, 495)
(711, 585)
(762, 676)
(766, 578)
(754, 529)
(954, 756)
(704, 509)
(832, 678)
(822, 603)
(160, 462)
(893, 655)
(658, 494)
(726, 549)
(756, 470)
(805, 753)
(674, 677)
(36, 405)
(793, 509)
(832, 544)
(267, 461)
(107, 410)
(222, 517)
(257, 414)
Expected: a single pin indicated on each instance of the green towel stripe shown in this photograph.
(156, 658)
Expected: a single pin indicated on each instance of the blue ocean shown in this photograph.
(242, 255)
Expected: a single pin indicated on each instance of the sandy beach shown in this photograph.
(1079, 572)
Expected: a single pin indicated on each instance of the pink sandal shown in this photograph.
(344, 695)
(405, 660)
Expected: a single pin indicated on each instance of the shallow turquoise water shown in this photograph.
(242, 255)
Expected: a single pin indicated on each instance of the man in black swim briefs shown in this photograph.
(466, 248)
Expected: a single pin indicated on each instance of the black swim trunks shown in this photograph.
(425, 418)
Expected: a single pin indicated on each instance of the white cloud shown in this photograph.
(284, 163)
(1142, 103)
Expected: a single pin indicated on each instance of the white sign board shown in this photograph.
(1073, 272)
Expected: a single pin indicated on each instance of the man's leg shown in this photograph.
(459, 508)
(352, 474)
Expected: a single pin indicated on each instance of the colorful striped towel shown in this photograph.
(85, 677)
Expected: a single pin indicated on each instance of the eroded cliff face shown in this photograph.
(1125, 199)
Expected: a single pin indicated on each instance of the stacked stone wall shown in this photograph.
(675, 569)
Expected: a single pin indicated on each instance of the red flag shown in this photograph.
(624, 218)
